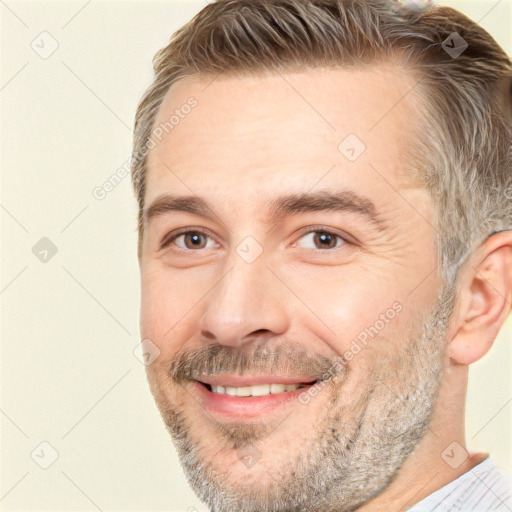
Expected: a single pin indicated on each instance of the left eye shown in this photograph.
(323, 240)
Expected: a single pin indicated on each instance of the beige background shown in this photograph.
(69, 327)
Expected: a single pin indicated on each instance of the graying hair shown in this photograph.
(464, 156)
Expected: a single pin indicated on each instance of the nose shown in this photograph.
(249, 302)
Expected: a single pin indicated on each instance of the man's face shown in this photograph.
(244, 292)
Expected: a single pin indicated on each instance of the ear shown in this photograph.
(484, 299)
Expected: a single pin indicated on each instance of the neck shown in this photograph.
(440, 457)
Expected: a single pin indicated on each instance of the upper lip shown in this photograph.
(253, 380)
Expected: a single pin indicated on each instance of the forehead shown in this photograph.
(260, 133)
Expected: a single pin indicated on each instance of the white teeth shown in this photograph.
(257, 390)
(260, 390)
(277, 388)
(243, 391)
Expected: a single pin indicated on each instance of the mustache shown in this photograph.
(285, 359)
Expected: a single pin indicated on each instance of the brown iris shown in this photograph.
(322, 238)
(195, 239)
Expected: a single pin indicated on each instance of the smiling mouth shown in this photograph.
(230, 396)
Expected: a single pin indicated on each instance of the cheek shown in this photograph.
(170, 305)
(155, 317)
(348, 304)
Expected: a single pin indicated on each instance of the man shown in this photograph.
(325, 245)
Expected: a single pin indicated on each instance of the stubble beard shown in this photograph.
(357, 451)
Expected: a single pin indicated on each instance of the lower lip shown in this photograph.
(244, 407)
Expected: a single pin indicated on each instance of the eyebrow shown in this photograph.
(278, 208)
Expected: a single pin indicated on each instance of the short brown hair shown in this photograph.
(463, 159)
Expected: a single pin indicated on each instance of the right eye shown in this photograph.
(191, 240)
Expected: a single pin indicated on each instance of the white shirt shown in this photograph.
(484, 487)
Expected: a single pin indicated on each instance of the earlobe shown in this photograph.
(484, 301)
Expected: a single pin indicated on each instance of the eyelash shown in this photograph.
(316, 229)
